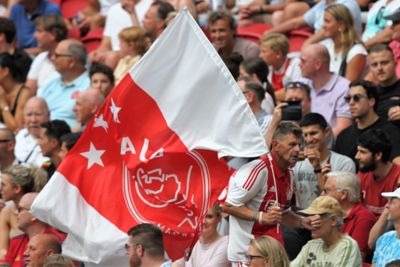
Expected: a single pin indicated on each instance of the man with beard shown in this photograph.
(145, 246)
(260, 193)
(377, 173)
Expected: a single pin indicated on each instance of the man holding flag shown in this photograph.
(152, 154)
(260, 193)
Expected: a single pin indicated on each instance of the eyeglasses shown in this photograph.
(57, 55)
(356, 98)
(250, 258)
(127, 246)
(245, 92)
(19, 209)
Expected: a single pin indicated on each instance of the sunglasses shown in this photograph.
(296, 85)
(356, 98)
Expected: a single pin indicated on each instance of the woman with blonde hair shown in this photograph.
(347, 53)
(265, 251)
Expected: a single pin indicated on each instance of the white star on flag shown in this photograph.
(93, 156)
(115, 110)
(100, 122)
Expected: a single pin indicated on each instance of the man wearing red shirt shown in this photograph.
(377, 173)
(31, 227)
(358, 220)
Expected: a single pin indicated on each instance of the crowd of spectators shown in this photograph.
(326, 193)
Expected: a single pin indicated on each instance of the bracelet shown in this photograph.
(260, 217)
(5, 108)
(254, 217)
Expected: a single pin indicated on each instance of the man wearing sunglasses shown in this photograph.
(363, 99)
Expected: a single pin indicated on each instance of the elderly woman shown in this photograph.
(329, 246)
(265, 251)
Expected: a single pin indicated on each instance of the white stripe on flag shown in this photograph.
(82, 219)
(189, 99)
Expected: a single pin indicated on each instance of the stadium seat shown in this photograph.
(93, 39)
(297, 38)
(252, 32)
(69, 8)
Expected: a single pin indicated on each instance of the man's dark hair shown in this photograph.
(150, 237)
(7, 27)
(54, 24)
(380, 48)
(257, 89)
(56, 128)
(376, 140)
(100, 68)
(286, 128)
(164, 8)
(314, 119)
(232, 62)
(222, 14)
(70, 139)
(370, 89)
(395, 263)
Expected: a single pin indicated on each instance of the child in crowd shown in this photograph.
(101, 78)
(133, 44)
(274, 50)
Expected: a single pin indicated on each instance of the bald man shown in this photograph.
(31, 226)
(69, 59)
(87, 103)
(39, 248)
(26, 147)
(327, 89)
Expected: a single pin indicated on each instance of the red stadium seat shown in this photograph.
(93, 39)
(69, 8)
(297, 38)
(252, 32)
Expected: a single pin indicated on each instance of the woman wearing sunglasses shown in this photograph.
(265, 251)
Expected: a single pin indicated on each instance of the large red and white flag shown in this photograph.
(153, 152)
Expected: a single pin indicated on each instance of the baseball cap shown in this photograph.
(322, 205)
(395, 17)
(395, 193)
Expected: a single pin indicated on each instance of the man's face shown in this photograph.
(365, 159)
(287, 148)
(7, 188)
(221, 34)
(314, 137)
(101, 82)
(47, 145)
(44, 38)
(394, 210)
(34, 114)
(359, 104)
(24, 217)
(383, 67)
(5, 145)
(330, 189)
(132, 251)
(83, 109)
(151, 21)
(307, 63)
(298, 94)
(326, 229)
(62, 58)
(35, 253)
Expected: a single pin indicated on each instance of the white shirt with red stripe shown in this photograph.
(252, 186)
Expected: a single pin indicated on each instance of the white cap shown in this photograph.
(396, 193)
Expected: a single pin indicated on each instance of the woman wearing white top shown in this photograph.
(211, 248)
(347, 53)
